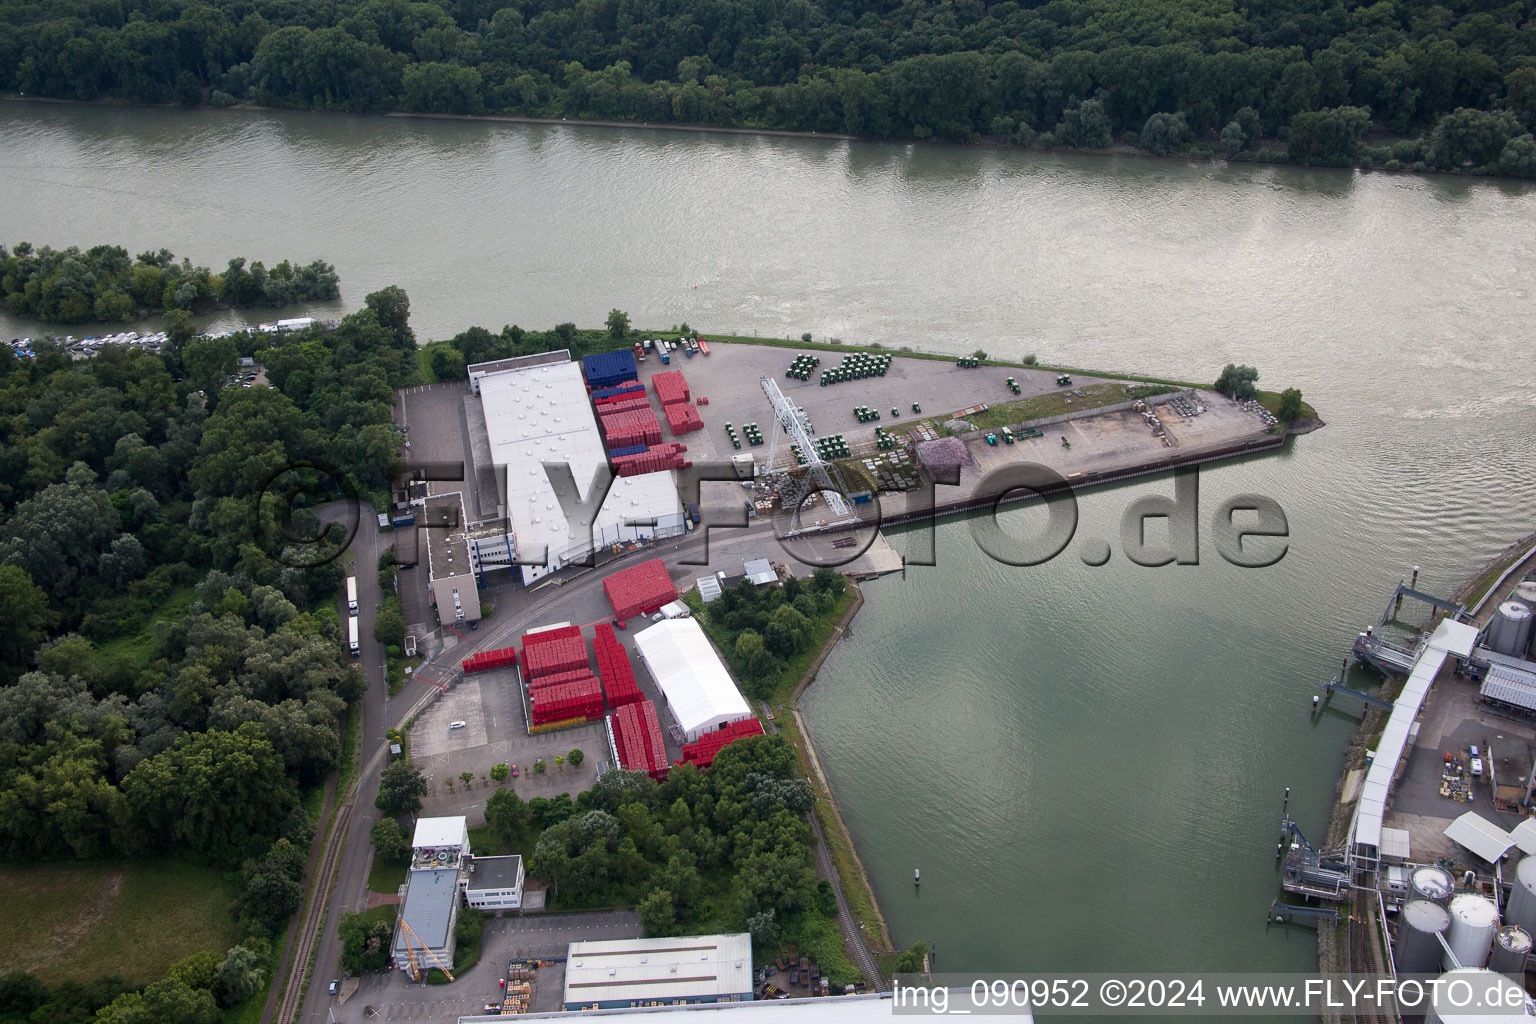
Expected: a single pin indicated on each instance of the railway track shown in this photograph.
(1362, 964)
(314, 915)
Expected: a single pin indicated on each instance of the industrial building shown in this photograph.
(450, 570)
(621, 973)
(857, 1009)
(696, 686)
(493, 883)
(537, 411)
(439, 848)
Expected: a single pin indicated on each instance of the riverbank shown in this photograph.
(1377, 153)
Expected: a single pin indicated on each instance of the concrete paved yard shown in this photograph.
(728, 377)
(394, 997)
(489, 705)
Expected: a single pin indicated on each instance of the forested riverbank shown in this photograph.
(1448, 88)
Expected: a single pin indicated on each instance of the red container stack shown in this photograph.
(489, 659)
(656, 459)
(554, 650)
(621, 403)
(567, 701)
(637, 734)
(682, 419)
(671, 388)
(640, 589)
(613, 666)
(702, 752)
(636, 426)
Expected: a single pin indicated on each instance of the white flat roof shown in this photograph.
(1371, 811)
(675, 967)
(697, 687)
(539, 414)
(1396, 842)
(1456, 638)
(431, 832)
(861, 1009)
(1481, 836)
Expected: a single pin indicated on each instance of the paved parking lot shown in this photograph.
(394, 997)
(492, 712)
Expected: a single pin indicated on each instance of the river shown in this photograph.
(1086, 763)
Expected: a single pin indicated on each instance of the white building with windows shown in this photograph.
(493, 883)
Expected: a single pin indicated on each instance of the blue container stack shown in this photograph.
(607, 369)
(634, 449)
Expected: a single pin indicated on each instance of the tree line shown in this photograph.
(1190, 76)
(103, 284)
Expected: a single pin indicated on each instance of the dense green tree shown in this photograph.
(401, 787)
(240, 976)
(508, 817)
(25, 611)
(1237, 381)
(1471, 138)
(1519, 157)
(1330, 137)
(657, 913)
(389, 842)
(1164, 133)
(164, 1002)
(1290, 405)
(618, 324)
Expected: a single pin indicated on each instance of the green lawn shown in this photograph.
(485, 844)
(138, 648)
(133, 918)
(386, 879)
(1271, 401)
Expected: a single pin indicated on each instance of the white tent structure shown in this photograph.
(695, 684)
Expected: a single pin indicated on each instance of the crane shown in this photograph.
(409, 933)
(819, 474)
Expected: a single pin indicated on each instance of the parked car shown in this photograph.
(457, 725)
(515, 772)
(335, 984)
(1477, 767)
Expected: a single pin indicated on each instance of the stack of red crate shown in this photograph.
(656, 459)
(682, 419)
(621, 403)
(702, 752)
(490, 659)
(637, 734)
(635, 426)
(613, 666)
(640, 589)
(567, 701)
(671, 388)
(553, 650)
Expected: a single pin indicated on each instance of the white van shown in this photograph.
(675, 610)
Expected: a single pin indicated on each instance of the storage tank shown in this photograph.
(1432, 883)
(1511, 946)
(1510, 631)
(1417, 950)
(1474, 983)
(1525, 593)
(1521, 909)
(1474, 919)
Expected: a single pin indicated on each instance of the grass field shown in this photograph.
(138, 648)
(386, 879)
(129, 918)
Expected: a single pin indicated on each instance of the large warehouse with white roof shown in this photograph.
(697, 687)
(537, 411)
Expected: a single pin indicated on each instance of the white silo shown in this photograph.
(1461, 997)
(1474, 919)
(1431, 882)
(1511, 947)
(1419, 927)
(1510, 631)
(1521, 909)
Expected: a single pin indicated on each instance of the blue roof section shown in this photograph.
(630, 387)
(428, 907)
(607, 369)
(634, 449)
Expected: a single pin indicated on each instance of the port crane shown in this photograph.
(409, 933)
(819, 473)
